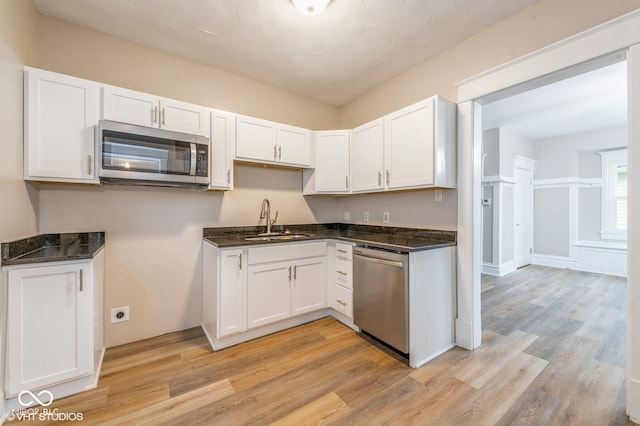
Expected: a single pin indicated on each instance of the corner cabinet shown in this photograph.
(264, 141)
(54, 326)
(143, 109)
(331, 174)
(60, 115)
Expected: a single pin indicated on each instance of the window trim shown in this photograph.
(611, 160)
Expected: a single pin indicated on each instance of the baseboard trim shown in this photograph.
(633, 396)
(464, 335)
(498, 270)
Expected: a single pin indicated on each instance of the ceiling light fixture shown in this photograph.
(310, 7)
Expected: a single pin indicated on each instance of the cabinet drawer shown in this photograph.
(344, 251)
(343, 300)
(344, 273)
(281, 252)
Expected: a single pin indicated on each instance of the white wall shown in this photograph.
(18, 46)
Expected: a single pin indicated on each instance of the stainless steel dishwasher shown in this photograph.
(381, 295)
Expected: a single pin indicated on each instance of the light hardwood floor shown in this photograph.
(553, 353)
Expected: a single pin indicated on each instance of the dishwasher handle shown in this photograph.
(380, 261)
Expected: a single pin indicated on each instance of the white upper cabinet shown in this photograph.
(331, 174)
(143, 109)
(265, 141)
(411, 148)
(223, 139)
(420, 146)
(367, 157)
(61, 113)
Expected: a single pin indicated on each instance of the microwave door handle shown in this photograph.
(193, 160)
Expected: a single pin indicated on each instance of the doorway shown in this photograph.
(618, 37)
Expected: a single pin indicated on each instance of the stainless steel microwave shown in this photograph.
(139, 155)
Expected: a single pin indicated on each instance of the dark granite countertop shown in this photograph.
(386, 237)
(51, 248)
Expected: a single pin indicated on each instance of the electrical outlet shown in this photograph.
(366, 216)
(385, 217)
(437, 195)
(347, 215)
(119, 314)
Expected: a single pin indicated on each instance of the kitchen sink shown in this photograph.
(278, 237)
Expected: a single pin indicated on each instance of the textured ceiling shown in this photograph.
(352, 47)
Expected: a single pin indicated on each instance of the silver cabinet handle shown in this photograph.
(342, 273)
(81, 279)
(346, 182)
(275, 152)
(295, 272)
(388, 177)
(89, 162)
(155, 114)
(163, 116)
(240, 261)
(289, 273)
(228, 176)
(280, 152)
(341, 302)
(342, 251)
(379, 178)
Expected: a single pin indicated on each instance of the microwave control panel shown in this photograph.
(202, 161)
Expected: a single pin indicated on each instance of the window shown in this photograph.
(614, 194)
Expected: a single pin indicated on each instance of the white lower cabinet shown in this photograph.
(246, 292)
(268, 293)
(54, 334)
(308, 287)
(233, 284)
(341, 283)
(285, 281)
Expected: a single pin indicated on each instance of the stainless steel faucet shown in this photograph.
(265, 213)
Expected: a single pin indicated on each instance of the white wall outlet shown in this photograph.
(385, 217)
(119, 314)
(347, 215)
(437, 195)
(366, 216)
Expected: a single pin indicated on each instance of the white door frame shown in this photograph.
(604, 43)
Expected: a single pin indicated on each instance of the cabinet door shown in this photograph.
(232, 293)
(255, 139)
(223, 138)
(367, 157)
(60, 120)
(184, 117)
(332, 161)
(268, 293)
(129, 106)
(409, 146)
(294, 145)
(49, 326)
(309, 285)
